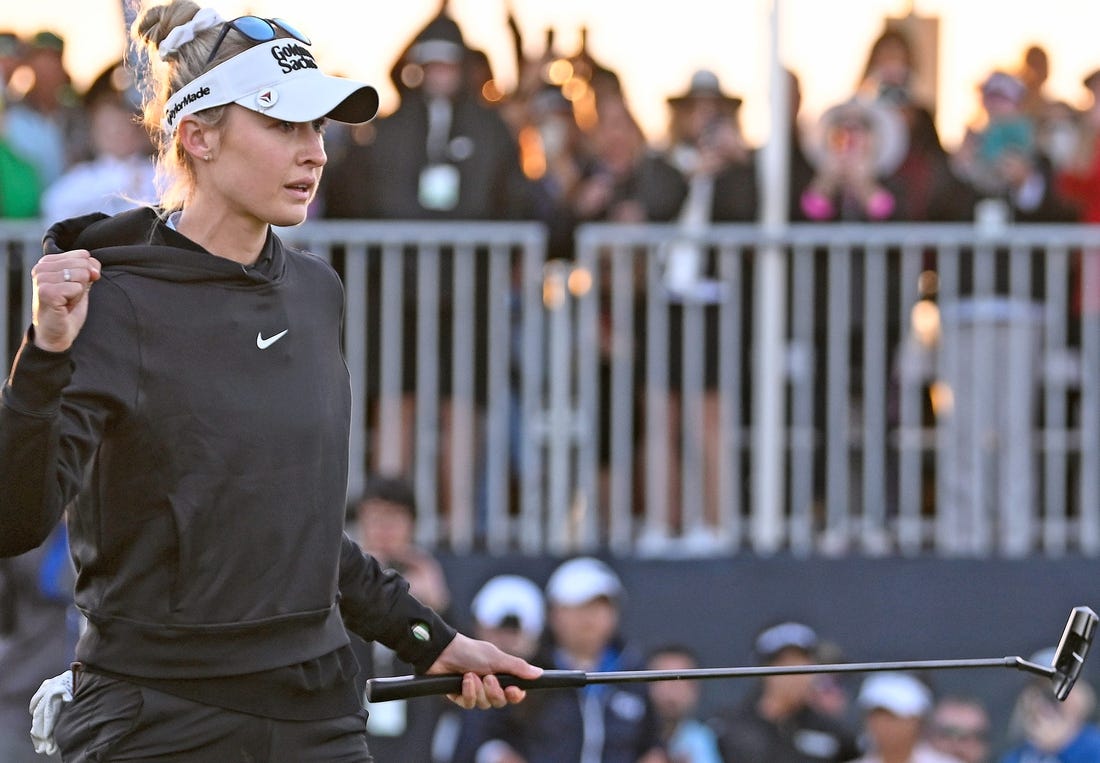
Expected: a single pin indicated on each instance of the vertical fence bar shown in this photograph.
(912, 367)
(872, 460)
(492, 498)
(1015, 423)
(427, 426)
(1050, 374)
(587, 361)
(837, 395)
(561, 530)
(391, 439)
(355, 354)
(802, 370)
(949, 419)
(657, 426)
(979, 359)
(731, 362)
(622, 425)
(693, 435)
(768, 518)
(532, 382)
(463, 400)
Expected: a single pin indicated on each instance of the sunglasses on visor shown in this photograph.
(256, 29)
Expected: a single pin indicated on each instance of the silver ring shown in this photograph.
(65, 274)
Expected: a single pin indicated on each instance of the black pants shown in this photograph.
(113, 720)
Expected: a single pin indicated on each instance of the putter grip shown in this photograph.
(407, 687)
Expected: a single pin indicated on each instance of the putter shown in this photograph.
(1069, 658)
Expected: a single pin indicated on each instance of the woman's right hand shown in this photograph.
(61, 283)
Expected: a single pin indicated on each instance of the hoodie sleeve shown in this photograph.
(376, 605)
(30, 504)
(54, 408)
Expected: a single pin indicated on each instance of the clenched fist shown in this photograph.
(59, 308)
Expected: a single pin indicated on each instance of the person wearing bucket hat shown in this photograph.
(182, 395)
(708, 147)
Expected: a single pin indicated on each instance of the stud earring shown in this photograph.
(206, 158)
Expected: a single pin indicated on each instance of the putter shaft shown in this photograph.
(406, 687)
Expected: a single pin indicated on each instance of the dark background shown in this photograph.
(873, 609)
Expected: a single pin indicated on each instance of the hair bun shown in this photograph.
(157, 22)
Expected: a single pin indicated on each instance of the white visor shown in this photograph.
(279, 78)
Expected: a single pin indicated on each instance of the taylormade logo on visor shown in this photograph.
(185, 101)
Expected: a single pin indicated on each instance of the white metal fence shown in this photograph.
(940, 385)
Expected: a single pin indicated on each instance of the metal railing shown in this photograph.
(940, 385)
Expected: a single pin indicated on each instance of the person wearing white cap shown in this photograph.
(510, 611)
(181, 394)
(895, 706)
(595, 724)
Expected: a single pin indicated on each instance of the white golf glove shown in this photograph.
(46, 705)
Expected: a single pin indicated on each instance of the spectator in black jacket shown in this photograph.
(442, 154)
(777, 723)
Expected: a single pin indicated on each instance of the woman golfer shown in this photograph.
(181, 392)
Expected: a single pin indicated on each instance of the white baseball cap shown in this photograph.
(580, 580)
(279, 78)
(510, 596)
(900, 693)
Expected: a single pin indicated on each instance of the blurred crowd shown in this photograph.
(563, 145)
(65, 153)
(575, 621)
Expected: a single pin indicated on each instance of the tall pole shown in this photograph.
(769, 336)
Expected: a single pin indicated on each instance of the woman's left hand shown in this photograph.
(478, 661)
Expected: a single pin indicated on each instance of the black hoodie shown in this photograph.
(200, 421)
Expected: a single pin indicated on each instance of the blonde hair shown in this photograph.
(175, 171)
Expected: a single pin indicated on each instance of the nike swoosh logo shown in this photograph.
(263, 344)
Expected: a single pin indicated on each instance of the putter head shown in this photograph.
(1069, 657)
